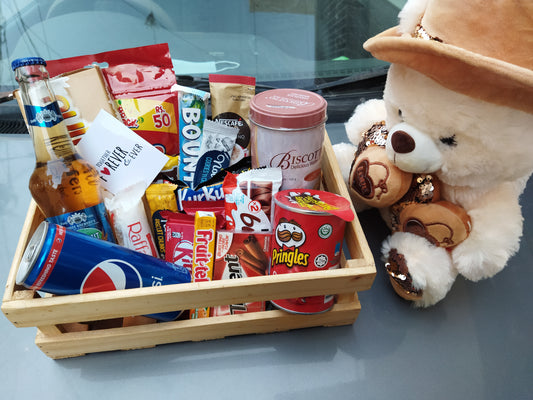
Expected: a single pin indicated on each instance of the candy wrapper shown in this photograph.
(212, 192)
(192, 115)
(215, 151)
(160, 196)
(249, 198)
(240, 255)
(169, 172)
(204, 254)
(179, 239)
(128, 217)
(217, 207)
(140, 81)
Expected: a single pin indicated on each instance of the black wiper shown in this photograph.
(6, 96)
(358, 77)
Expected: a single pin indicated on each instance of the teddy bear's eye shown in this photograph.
(449, 141)
(400, 114)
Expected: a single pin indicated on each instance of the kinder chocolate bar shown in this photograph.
(179, 239)
(249, 199)
(204, 253)
(240, 255)
(192, 115)
(140, 81)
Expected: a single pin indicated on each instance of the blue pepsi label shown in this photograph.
(45, 117)
(91, 221)
(73, 263)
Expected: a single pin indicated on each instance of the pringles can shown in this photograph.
(308, 233)
(62, 261)
(287, 131)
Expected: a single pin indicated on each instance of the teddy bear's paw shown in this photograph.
(475, 264)
(418, 271)
(399, 276)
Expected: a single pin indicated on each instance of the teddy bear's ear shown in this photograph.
(364, 117)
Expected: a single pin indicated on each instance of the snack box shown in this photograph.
(60, 333)
(82, 89)
(240, 255)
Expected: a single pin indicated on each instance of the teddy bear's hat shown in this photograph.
(483, 49)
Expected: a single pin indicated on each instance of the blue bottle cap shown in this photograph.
(22, 62)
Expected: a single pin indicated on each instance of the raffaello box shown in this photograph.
(241, 255)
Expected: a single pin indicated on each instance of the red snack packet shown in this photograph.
(241, 255)
(139, 79)
(179, 238)
(216, 206)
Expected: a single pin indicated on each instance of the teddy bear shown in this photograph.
(448, 150)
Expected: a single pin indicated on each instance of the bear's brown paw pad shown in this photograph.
(400, 278)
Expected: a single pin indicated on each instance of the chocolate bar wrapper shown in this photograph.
(205, 224)
(179, 238)
(249, 198)
(240, 255)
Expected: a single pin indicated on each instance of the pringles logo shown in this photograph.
(289, 237)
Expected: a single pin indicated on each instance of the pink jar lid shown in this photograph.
(288, 109)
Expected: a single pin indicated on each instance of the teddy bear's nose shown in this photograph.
(402, 142)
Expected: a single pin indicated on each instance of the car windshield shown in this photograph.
(308, 44)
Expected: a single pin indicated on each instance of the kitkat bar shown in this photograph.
(241, 255)
(179, 238)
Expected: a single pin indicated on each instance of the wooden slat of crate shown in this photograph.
(23, 308)
(105, 305)
(142, 336)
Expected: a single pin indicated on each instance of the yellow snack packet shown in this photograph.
(205, 224)
(160, 196)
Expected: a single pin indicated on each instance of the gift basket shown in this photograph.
(215, 213)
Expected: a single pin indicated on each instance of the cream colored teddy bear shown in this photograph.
(447, 152)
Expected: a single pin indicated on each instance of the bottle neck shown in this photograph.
(51, 139)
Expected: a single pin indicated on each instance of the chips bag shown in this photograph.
(139, 80)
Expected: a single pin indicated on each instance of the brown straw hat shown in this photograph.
(480, 48)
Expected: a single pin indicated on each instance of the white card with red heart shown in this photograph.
(121, 157)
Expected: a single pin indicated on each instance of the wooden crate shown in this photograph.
(62, 321)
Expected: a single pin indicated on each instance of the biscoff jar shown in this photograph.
(287, 132)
